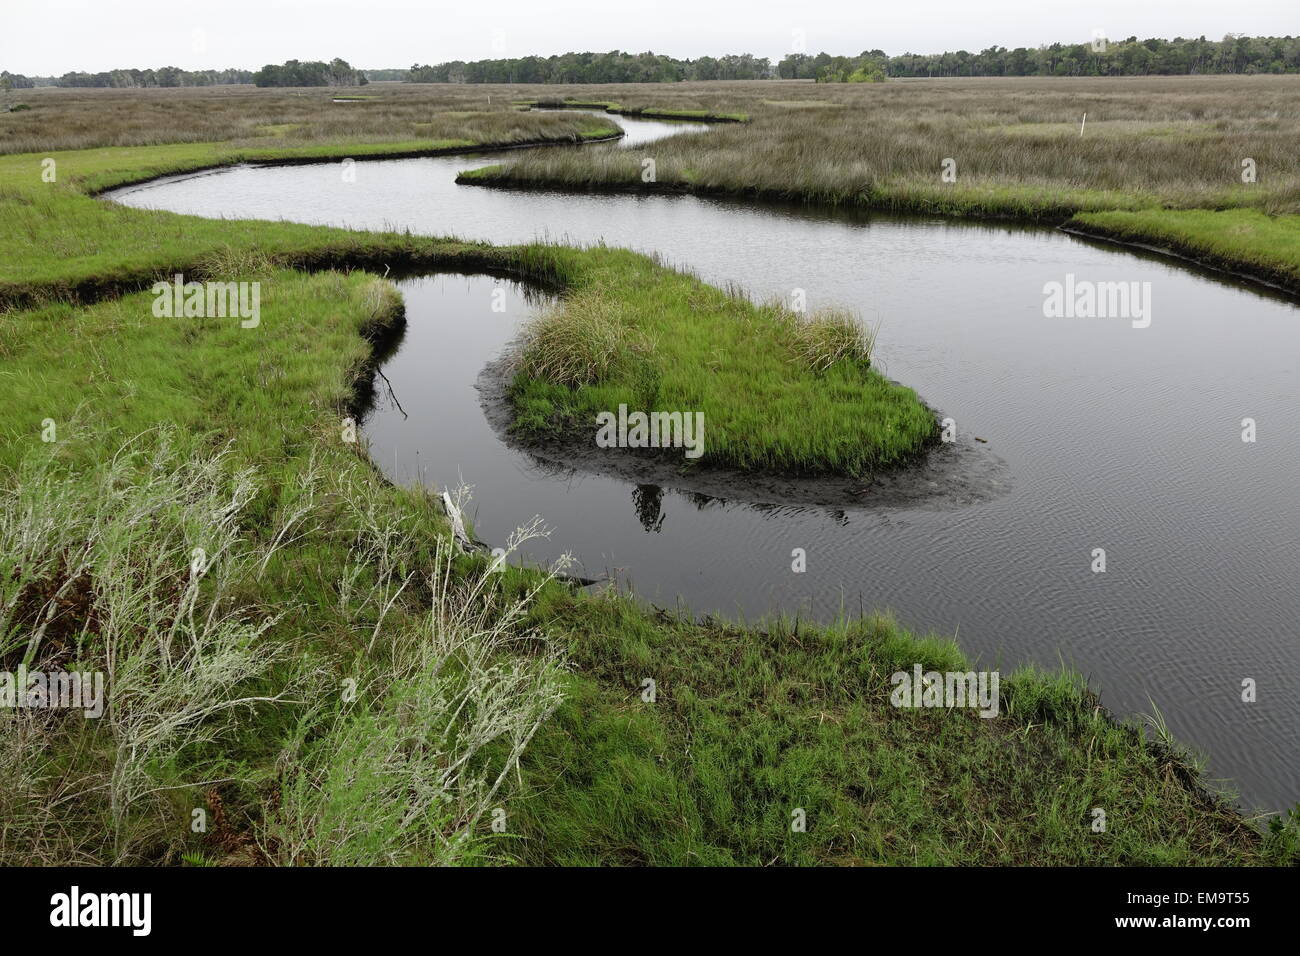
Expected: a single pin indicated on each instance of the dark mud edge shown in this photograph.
(864, 200)
(1279, 279)
(643, 113)
(943, 477)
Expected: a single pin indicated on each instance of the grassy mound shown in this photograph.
(777, 391)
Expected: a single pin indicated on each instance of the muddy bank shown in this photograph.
(635, 112)
(945, 476)
(864, 201)
(1277, 279)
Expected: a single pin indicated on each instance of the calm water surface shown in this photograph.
(1112, 437)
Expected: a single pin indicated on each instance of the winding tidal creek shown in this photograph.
(1072, 434)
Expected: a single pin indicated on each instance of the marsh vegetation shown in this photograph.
(1156, 141)
(477, 686)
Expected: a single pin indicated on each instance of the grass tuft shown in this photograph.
(583, 340)
(833, 335)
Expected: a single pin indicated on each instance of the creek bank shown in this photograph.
(1255, 273)
(644, 112)
(236, 160)
(866, 200)
(1063, 216)
(941, 477)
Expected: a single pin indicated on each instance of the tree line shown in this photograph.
(309, 73)
(133, 79)
(1100, 57)
(292, 73)
(614, 67)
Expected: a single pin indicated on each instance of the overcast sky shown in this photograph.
(44, 37)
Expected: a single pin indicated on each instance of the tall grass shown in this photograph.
(402, 767)
(1016, 144)
(833, 335)
(396, 763)
(134, 571)
(582, 340)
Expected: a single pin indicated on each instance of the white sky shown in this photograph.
(44, 37)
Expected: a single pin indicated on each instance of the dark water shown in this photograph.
(1113, 437)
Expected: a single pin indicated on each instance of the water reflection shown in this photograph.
(648, 502)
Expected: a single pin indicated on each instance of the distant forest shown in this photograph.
(310, 73)
(292, 73)
(1130, 57)
(132, 79)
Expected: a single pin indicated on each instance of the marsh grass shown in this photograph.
(832, 335)
(750, 723)
(62, 245)
(446, 704)
(1245, 241)
(778, 391)
(1149, 141)
(99, 570)
(251, 118)
(330, 574)
(583, 340)
(100, 574)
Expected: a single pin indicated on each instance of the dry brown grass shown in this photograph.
(1177, 141)
(245, 115)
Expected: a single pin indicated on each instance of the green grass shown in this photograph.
(171, 431)
(52, 233)
(113, 370)
(750, 724)
(1239, 240)
(342, 577)
(775, 394)
(764, 406)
